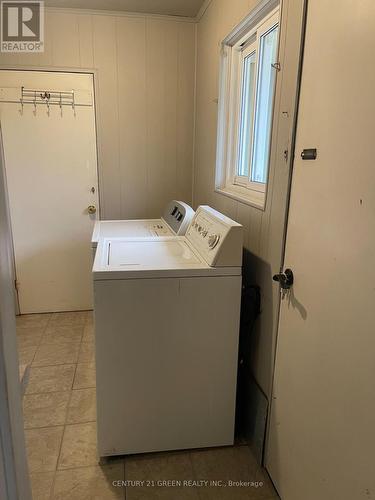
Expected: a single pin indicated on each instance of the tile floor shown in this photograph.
(60, 428)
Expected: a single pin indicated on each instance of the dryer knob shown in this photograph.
(213, 240)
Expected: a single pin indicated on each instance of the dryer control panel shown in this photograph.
(178, 215)
(217, 238)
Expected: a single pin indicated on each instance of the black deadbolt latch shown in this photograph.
(309, 154)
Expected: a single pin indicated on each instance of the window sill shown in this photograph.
(250, 197)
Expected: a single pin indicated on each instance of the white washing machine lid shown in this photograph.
(174, 222)
(129, 229)
(119, 258)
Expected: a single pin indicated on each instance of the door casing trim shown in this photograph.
(85, 71)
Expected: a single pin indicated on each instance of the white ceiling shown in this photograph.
(189, 8)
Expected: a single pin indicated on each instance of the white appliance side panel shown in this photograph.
(166, 363)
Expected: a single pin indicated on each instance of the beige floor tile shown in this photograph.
(267, 490)
(29, 336)
(50, 379)
(43, 447)
(69, 318)
(90, 318)
(62, 333)
(26, 320)
(231, 464)
(87, 352)
(41, 485)
(85, 376)
(89, 483)
(158, 466)
(153, 492)
(88, 333)
(23, 370)
(56, 354)
(153, 469)
(24, 375)
(45, 410)
(82, 406)
(233, 492)
(78, 447)
(26, 354)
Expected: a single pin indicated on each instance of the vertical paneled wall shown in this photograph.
(263, 229)
(146, 74)
(146, 87)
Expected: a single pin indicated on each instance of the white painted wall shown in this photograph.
(146, 69)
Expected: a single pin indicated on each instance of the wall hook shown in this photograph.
(21, 101)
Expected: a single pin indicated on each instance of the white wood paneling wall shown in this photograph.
(263, 229)
(146, 76)
(146, 88)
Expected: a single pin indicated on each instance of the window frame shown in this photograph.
(246, 40)
(251, 47)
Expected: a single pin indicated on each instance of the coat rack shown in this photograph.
(47, 98)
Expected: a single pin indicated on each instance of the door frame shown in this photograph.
(95, 78)
(16, 482)
(14, 475)
(286, 217)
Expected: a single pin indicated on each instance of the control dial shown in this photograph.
(213, 240)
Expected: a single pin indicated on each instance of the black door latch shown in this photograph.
(286, 279)
(309, 154)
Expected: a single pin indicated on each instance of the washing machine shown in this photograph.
(167, 315)
(174, 221)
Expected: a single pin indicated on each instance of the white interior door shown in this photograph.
(51, 167)
(322, 438)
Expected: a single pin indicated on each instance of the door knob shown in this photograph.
(91, 209)
(286, 279)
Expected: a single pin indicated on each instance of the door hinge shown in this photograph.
(276, 66)
(16, 285)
